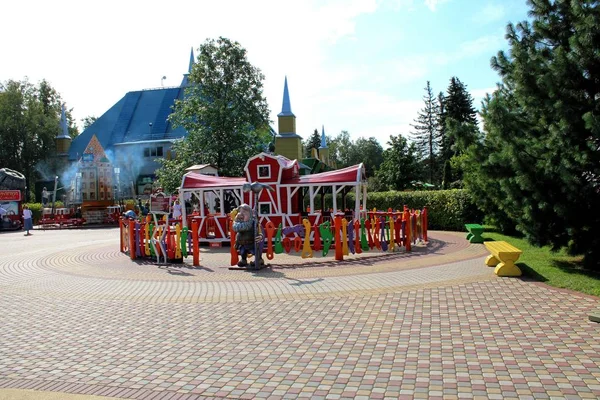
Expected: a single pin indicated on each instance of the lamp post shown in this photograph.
(54, 193)
(256, 188)
(78, 187)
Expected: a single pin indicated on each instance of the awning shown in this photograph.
(352, 174)
(193, 180)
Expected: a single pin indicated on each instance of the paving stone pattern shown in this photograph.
(80, 317)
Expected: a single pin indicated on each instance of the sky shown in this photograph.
(354, 65)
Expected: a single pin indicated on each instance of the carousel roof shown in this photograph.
(193, 180)
(348, 175)
(352, 174)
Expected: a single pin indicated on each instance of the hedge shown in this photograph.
(447, 210)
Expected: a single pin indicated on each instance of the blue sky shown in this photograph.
(355, 65)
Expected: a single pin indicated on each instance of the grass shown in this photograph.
(553, 268)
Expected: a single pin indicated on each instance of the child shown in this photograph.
(27, 219)
(245, 238)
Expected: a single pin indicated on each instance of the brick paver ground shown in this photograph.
(79, 317)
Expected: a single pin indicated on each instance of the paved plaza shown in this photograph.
(79, 319)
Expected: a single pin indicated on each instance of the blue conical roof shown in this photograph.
(184, 82)
(64, 126)
(286, 107)
(323, 141)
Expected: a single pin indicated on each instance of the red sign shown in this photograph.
(10, 195)
(159, 203)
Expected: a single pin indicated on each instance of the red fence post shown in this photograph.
(337, 235)
(195, 243)
(424, 223)
(132, 239)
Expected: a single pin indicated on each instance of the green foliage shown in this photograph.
(426, 132)
(540, 159)
(223, 110)
(457, 110)
(314, 142)
(29, 122)
(88, 121)
(447, 209)
(344, 152)
(400, 164)
(369, 152)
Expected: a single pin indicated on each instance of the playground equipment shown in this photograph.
(60, 218)
(12, 185)
(386, 231)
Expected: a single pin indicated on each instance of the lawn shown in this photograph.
(553, 268)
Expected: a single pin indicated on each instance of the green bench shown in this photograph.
(475, 232)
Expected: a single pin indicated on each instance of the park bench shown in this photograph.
(503, 256)
(475, 231)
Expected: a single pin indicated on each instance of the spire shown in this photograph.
(184, 82)
(286, 108)
(323, 141)
(64, 127)
(191, 61)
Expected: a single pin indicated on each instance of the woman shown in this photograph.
(27, 219)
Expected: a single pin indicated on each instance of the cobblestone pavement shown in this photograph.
(80, 318)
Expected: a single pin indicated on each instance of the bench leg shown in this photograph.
(491, 261)
(507, 268)
(475, 238)
(469, 236)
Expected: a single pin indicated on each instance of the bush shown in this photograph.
(447, 209)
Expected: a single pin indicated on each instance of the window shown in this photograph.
(264, 171)
(153, 151)
(264, 208)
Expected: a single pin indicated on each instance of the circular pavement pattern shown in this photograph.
(81, 318)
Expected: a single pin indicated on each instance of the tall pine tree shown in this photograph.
(426, 132)
(540, 160)
(458, 119)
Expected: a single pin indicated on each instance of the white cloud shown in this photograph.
(433, 4)
(489, 13)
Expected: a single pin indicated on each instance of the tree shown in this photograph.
(457, 109)
(540, 159)
(88, 121)
(400, 164)
(223, 110)
(340, 149)
(369, 152)
(29, 122)
(426, 131)
(314, 142)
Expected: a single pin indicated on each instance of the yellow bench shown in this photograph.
(503, 257)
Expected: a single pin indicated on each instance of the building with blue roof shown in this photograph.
(134, 132)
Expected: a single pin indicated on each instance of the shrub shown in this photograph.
(447, 209)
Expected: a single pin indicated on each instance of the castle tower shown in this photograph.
(63, 139)
(323, 149)
(184, 82)
(287, 142)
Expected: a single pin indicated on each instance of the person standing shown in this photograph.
(45, 197)
(176, 210)
(27, 219)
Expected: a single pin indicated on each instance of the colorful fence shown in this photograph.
(386, 231)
